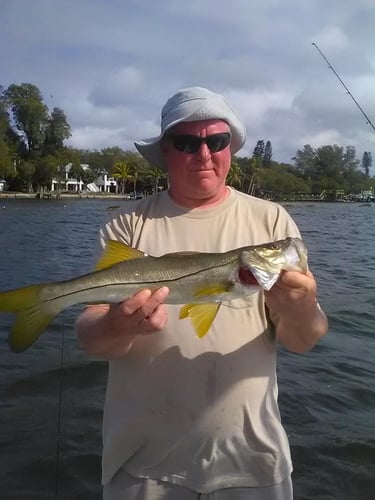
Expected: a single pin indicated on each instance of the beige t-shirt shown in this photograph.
(202, 413)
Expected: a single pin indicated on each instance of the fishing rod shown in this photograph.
(59, 416)
(368, 121)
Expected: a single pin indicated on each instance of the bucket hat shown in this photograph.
(189, 105)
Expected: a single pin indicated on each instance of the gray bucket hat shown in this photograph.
(190, 105)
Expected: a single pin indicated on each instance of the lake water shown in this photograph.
(51, 396)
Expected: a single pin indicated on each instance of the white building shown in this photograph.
(106, 184)
(70, 183)
(103, 184)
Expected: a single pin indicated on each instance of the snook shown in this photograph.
(201, 281)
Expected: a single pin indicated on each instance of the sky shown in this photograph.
(112, 64)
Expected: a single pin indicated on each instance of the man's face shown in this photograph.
(197, 175)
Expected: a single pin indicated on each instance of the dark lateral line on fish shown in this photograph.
(161, 282)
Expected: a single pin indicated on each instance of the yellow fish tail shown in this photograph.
(31, 320)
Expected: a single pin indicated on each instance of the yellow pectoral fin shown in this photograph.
(212, 290)
(201, 315)
(116, 252)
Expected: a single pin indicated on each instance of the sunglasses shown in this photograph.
(191, 144)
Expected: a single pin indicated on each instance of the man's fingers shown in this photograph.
(296, 279)
(145, 302)
(156, 321)
(156, 299)
(131, 305)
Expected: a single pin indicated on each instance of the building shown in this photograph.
(69, 183)
(106, 184)
(103, 184)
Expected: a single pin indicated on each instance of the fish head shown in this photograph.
(265, 262)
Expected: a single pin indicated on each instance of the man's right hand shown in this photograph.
(108, 331)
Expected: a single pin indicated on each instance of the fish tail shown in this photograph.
(31, 319)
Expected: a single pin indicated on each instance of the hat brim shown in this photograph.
(150, 149)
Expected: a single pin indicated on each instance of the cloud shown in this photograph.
(111, 65)
(332, 38)
(117, 88)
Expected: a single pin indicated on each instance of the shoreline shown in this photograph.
(62, 196)
(11, 195)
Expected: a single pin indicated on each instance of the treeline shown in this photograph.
(329, 169)
(33, 152)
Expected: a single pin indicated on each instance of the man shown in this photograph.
(189, 418)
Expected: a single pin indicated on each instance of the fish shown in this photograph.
(200, 282)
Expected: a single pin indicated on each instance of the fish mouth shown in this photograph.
(246, 277)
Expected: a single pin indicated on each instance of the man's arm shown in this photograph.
(300, 322)
(108, 331)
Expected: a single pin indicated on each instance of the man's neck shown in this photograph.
(201, 203)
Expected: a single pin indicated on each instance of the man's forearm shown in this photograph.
(300, 335)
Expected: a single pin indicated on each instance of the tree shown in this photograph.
(254, 167)
(235, 175)
(110, 156)
(123, 173)
(267, 157)
(329, 167)
(6, 163)
(366, 163)
(259, 150)
(277, 183)
(8, 141)
(154, 174)
(29, 114)
(25, 174)
(57, 131)
(305, 160)
(76, 170)
(45, 170)
(88, 176)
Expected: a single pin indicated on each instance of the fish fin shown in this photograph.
(211, 290)
(116, 252)
(31, 319)
(201, 315)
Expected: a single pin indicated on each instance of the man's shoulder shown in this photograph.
(141, 205)
(250, 201)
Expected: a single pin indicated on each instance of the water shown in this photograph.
(327, 397)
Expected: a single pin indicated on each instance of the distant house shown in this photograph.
(69, 183)
(367, 195)
(2, 185)
(106, 184)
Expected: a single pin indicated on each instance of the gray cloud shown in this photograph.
(111, 65)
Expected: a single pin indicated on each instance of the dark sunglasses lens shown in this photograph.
(186, 143)
(190, 144)
(217, 142)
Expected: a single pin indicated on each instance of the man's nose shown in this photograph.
(204, 152)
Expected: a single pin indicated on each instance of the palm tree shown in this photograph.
(235, 175)
(122, 171)
(253, 174)
(154, 174)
